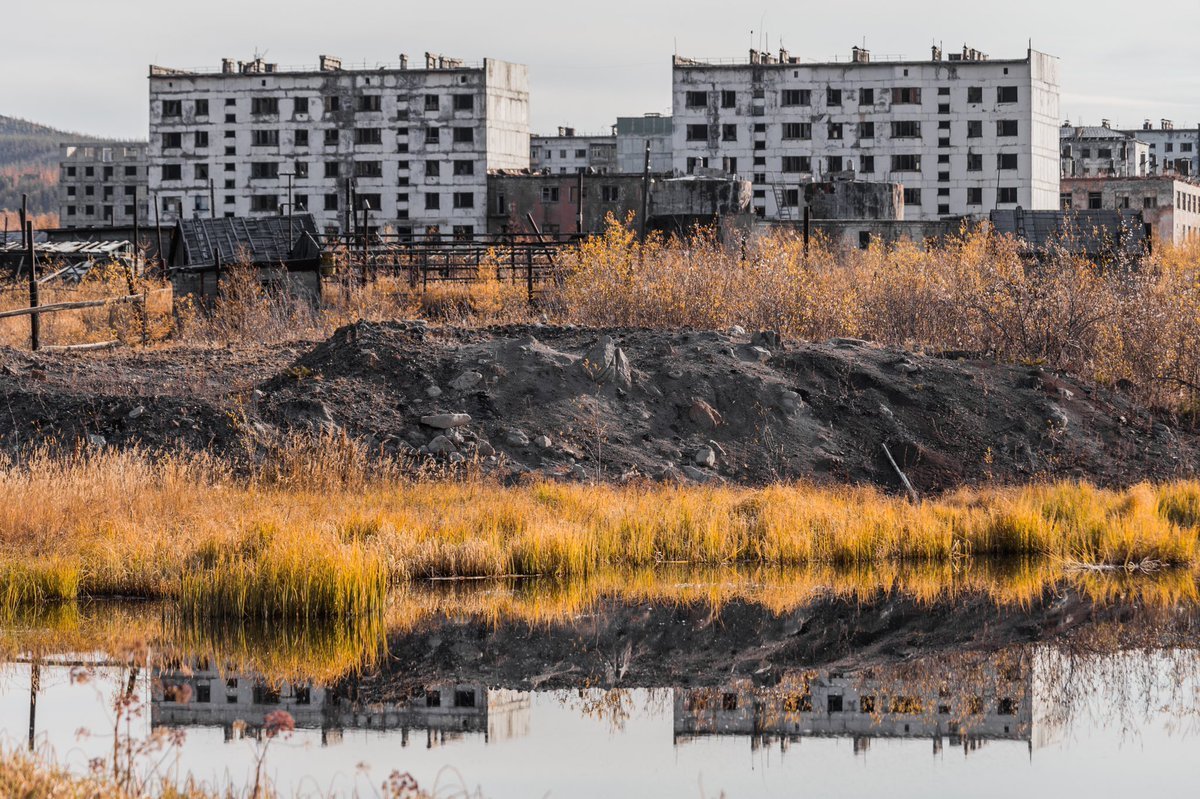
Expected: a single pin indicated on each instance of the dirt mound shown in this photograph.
(577, 403)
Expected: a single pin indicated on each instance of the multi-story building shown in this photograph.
(1091, 151)
(1170, 206)
(1173, 151)
(570, 152)
(963, 134)
(633, 133)
(414, 145)
(102, 183)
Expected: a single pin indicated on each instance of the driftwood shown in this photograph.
(912, 492)
(98, 345)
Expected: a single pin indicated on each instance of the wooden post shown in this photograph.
(35, 325)
(807, 229)
(212, 199)
(35, 685)
(645, 191)
(579, 207)
(162, 258)
(529, 274)
(24, 216)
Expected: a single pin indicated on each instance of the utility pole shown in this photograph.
(35, 322)
(645, 190)
(579, 205)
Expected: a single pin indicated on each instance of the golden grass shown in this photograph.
(181, 527)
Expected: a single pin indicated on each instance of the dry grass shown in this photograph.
(330, 545)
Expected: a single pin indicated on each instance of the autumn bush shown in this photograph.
(974, 293)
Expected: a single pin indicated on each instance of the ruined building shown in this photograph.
(962, 133)
(1169, 205)
(1173, 150)
(569, 152)
(413, 143)
(102, 183)
(1092, 151)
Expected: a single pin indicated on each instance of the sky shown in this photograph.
(81, 65)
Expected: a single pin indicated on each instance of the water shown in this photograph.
(774, 705)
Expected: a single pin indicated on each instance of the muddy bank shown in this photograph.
(696, 645)
(574, 404)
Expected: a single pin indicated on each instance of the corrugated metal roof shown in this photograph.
(263, 240)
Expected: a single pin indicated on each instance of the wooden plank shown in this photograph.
(67, 306)
(93, 347)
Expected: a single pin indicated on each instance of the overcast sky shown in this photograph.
(81, 64)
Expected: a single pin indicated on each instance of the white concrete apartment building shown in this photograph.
(1173, 150)
(964, 134)
(102, 183)
(569, 152)
(633, 133)
(1091, 151)
(415, 144)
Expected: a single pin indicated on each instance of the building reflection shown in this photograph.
(963, 706)
(196, 695)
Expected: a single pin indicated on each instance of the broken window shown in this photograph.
(172, 141)
(695, 100)
(974, 195)
(1006, 194)
(833, 97)
(433, 135)
(331, 136)
(866, 97)
(549, 194)
(835, 130)
(728, 99)
(833, 702)
(368, 136)
(300, 169)
(464, 199)
(697, 132)
(833, 163)
(300, 105)
(1095, 200)
(302, 138)
(200, 171)
(369, 103)
(200, 139)
(912, 196)
(464, 102)
(264, 105)
(975, 129)
(333, 104)
(906, 129)
(866, 164)
(464, 168)
(333, 169)
(906, 95)
(331, 202)
(260, 170)
(796, 97)
(793, 164)
(610, 194)
(202, 108)
(1006, 94)
(433, 169)
(906, 163)
(464, 135)
(1006, 127)
(866, 130)
(433, 201)
(797, 130)
(265, 138)
(729, 132)
(264, 203)
(974, 94)
(368, 169)
(170, 172)
(1006, 161)
(172, 108)
(431, 102)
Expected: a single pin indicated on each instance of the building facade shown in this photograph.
(1102, 151)
(569, 152)
(1170, 206)
(102, 184)
(634, 133)
(963, 134)
(412, 144)
(1173, 151)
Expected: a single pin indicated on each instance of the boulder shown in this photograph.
(466, 381)
(543, 442)
(441, 446)
(516, 438)
(704, 415)
(446, 421)
(606, 363)
(705, 456)
(433, 392)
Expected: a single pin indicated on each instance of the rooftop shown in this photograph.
(325, 64)
(859, 56)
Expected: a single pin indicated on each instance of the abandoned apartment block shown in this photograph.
(102, 183)
(962, 134)
(411, 145)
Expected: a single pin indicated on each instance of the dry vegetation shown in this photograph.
(329, 540)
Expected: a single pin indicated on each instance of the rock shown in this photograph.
(606, 363)
(415, 437)
(737, 330)
(705, 456)
(441, 446)
(433, 392)
(675, 374)
(671, 474)
(846, 343)
(96, 440)
(445, 421)
(456, 438)
(1058, 418)
(543, 442)
(766, 339)
(466, 381)
(579, 473)
(907, 367)
(485, 449)
(752, 352)
(698, 475)
(516, 438)
(257, 395)
(137, 412)
(456, 457)
(705, 415)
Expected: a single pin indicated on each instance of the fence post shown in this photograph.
(35, 325)
(529, 274)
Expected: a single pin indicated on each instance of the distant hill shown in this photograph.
(29, 163)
